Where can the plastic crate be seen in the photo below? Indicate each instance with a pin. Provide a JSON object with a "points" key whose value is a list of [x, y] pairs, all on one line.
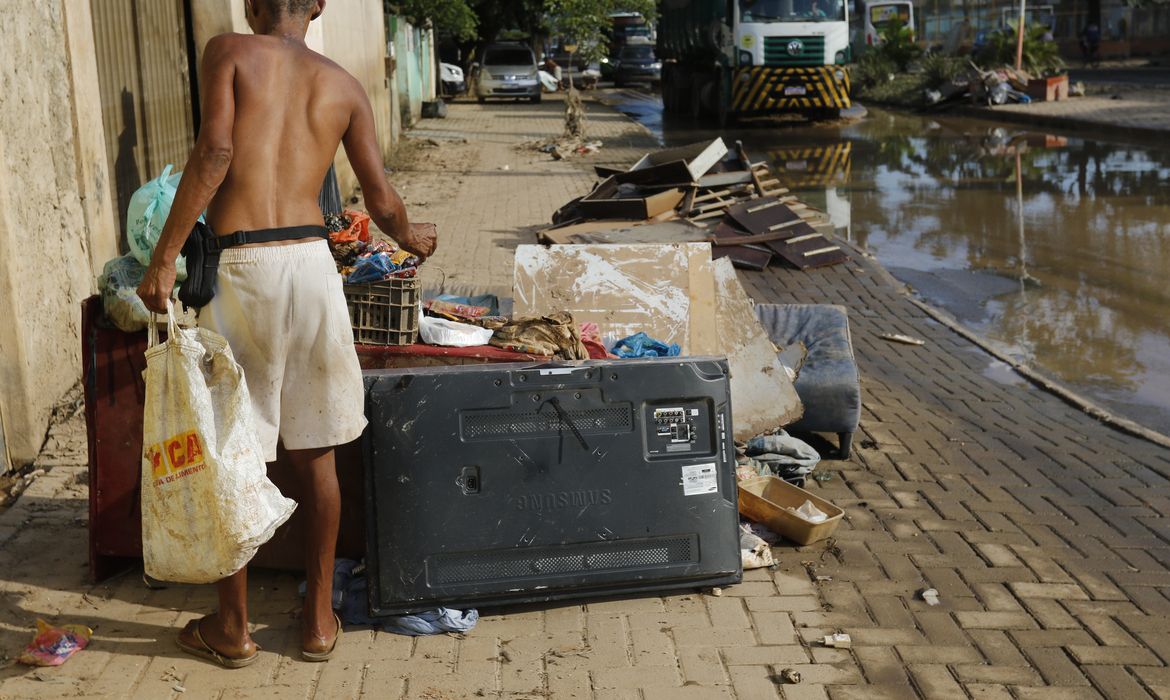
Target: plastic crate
{"points": [[767, 500], [384, 313]]}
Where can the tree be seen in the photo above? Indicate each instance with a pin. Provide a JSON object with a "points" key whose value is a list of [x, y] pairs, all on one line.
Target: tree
{"points": [[454, 17], [586, 22]]}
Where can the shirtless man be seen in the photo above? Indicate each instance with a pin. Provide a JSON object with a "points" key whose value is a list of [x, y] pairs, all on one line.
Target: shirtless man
{"points": [[274, 112]]}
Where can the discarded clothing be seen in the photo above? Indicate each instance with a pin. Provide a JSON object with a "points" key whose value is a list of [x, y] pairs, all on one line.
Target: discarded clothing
{"points": [[432, 622], [555, 335], [591, 338], [786, 456], [642, 345], [352, 605]]}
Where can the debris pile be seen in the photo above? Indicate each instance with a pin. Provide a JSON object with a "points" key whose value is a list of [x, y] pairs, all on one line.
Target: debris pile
{"points": [[700, 193], [998, 86]]}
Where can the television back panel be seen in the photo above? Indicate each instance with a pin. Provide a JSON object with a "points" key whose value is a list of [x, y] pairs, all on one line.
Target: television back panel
{"points": [[520, 482]]}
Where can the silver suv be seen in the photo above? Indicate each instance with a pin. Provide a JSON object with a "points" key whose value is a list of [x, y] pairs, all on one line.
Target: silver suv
{"points": [[508, 70]]}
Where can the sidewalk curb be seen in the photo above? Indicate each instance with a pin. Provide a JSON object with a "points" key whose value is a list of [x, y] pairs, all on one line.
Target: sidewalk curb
{"points": [[1032, 375], [1082, 127]]}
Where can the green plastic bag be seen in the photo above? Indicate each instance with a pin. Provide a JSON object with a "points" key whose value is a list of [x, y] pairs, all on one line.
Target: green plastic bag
{"points": [[149, 208]]}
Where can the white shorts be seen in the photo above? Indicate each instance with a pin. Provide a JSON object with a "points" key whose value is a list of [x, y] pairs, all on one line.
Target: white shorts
{"points": [[283, 313]]}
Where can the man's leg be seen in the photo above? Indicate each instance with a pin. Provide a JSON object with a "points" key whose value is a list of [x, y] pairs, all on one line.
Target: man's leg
{"points": [[321, 508], [225, 631]]}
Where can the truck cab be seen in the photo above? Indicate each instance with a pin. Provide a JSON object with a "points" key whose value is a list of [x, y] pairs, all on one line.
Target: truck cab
{"points": [[791, 33]]}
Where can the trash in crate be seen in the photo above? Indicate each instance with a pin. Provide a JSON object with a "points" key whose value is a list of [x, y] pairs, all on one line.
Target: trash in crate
{"points": [[807, 511], [361, 261]]}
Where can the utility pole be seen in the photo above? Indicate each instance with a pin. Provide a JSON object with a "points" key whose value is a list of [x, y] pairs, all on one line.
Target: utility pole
{"points": [[1020, 37]]}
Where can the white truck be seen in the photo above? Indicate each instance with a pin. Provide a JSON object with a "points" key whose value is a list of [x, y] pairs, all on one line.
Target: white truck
{"points": [[754, 57]]}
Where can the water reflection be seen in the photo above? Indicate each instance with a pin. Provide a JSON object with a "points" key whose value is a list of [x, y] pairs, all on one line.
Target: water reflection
{"points": [[1080, 226], [1058, 247]]}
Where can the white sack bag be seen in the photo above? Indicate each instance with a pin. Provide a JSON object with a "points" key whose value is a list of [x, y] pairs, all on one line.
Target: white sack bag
{"points": [[207, 503], [441, 331]]}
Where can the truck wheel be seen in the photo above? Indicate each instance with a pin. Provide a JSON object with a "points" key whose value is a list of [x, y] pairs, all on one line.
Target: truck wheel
{"points": [[668, 105], [699, 85]]}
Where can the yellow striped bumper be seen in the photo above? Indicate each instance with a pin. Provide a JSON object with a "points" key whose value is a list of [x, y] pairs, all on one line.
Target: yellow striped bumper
{"points": [[764, 89]]}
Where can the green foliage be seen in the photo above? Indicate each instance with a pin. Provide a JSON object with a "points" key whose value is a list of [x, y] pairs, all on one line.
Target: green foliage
{"points": [[508, 19], [454, 17], [1040, 57], [938, 69], [873, 68], [898, 45], [586, 22]]}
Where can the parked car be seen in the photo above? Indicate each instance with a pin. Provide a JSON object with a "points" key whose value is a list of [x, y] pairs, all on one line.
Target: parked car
{"points": [[637, 63], [452, 82], [507, 70]]}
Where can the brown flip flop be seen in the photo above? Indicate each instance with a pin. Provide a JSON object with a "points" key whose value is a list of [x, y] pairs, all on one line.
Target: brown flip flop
{"points": [[316, 656], [204, 651]]}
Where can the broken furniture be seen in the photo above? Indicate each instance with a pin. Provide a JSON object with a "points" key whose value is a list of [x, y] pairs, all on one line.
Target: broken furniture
{"points": [[827, 381], [535, 482], [699, 193]]}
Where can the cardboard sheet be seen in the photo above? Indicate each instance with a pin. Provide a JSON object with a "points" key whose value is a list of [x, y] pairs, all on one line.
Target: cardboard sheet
{"points": [[762, 396], [667, 291], [676, 294]]}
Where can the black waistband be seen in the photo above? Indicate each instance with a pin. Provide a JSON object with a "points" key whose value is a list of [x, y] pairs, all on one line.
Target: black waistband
{"points": [[267, 235]]}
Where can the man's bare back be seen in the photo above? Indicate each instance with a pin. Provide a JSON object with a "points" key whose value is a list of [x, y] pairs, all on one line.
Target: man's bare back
{"points": [[274, 112], [292, 108]]}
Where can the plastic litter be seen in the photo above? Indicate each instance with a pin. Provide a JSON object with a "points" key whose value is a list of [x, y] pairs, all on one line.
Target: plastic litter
{"points": [[118, 284], [441, 331], [642, 345], [755, 552], [930, 595], [52, 646], [811, 513], [838, 641], [899, 338], [207, 503], [149, 207], [790, 675]]}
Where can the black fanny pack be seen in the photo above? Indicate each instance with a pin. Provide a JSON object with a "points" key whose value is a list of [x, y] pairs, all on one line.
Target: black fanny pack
{"points": [[203, 248]]}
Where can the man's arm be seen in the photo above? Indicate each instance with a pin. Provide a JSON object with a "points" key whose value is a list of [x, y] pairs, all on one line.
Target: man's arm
{"points": [[205, 172], [385, 206]]}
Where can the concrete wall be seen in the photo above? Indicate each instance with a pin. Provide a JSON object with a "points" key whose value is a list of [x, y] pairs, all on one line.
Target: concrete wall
{"points": [[415, 74], [351, 32], [56, 221]]}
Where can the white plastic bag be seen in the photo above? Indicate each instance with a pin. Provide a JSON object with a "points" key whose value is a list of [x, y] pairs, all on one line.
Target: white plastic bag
{"points": [[149, 207], [440, 331], [207, 503]]}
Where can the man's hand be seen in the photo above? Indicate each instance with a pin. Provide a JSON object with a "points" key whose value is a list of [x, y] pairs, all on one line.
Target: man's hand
{"points": [[157, 285], [421, 240]]}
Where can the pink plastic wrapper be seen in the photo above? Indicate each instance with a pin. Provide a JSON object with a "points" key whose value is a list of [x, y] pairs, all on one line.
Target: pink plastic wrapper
{"points": [[54, 645]]}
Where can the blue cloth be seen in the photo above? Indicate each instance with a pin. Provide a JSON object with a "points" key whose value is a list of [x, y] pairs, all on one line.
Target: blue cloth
{"points": [[642, 345], [373, 268], [352, 606]]}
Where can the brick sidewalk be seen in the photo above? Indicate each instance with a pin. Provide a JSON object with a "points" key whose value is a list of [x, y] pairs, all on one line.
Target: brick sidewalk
{"points": [[1041, 529]]}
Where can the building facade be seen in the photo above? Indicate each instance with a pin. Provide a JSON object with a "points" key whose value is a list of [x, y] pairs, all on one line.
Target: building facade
{"points": [[99, 96]]}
